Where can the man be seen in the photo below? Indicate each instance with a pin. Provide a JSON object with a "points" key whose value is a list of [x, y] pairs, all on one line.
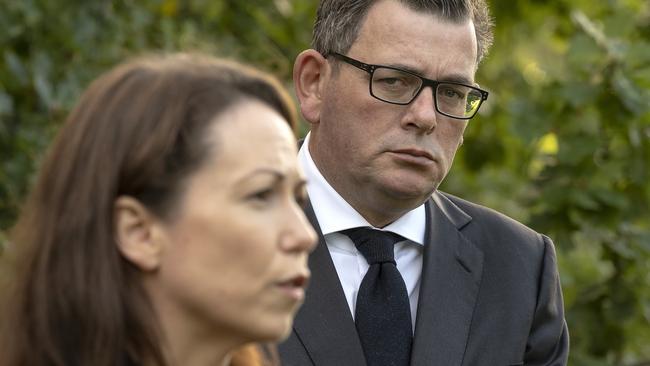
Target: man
{"points": [[388, 90]]}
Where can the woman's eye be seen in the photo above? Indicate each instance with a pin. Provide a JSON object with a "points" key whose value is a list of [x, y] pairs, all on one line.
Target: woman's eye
{"points": [[301, 198], [300, 193], [263, 195]]}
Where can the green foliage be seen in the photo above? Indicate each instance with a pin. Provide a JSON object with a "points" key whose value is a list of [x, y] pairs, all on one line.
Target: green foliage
{"points": [[563, 143], [50, 50]]}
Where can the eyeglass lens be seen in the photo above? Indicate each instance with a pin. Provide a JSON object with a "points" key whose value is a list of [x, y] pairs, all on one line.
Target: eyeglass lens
{"points": [[396, 86]]}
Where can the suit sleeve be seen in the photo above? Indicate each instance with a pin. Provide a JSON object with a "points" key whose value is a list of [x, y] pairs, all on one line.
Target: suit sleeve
{"points": [[548, 341]]}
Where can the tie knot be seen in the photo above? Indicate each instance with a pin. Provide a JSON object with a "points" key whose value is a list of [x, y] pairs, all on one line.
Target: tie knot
{"points": [[375, 245]]}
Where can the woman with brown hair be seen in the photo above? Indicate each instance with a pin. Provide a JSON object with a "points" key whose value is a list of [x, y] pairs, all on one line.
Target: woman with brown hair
{"points": [[165, 227]]}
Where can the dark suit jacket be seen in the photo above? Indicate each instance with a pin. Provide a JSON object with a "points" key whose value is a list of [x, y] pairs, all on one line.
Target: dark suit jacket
{"points": [[489, 295]]}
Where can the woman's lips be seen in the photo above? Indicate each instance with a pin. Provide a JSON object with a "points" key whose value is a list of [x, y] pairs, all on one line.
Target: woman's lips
{"points": [[294, 287]]}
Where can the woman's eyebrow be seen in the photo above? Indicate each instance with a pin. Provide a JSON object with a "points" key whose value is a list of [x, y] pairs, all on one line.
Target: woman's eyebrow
{"points": [[277, 175]]}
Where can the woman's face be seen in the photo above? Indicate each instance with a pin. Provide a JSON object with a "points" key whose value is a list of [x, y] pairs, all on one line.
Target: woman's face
{"points": [[235, 253]]}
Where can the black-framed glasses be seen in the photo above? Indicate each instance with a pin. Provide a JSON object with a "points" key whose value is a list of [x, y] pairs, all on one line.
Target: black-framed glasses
{"points": [[396, 86]]}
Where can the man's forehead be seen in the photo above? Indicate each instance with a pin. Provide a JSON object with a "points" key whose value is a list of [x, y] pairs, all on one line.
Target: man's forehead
{"points": [[426, 44]]}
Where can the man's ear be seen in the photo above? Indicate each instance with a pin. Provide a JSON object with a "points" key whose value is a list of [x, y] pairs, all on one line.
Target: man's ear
{"points": [[310, 71], [137, 233]]}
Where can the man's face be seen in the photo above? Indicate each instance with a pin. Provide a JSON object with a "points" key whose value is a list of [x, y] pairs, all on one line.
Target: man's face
{"points": [[386, 159]]}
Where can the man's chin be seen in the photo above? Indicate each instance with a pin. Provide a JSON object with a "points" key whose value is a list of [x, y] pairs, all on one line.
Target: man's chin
{"points": [[409, 195]]}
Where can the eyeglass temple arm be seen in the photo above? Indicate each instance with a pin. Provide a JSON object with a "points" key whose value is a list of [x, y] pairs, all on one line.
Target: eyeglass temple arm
{"points": [[358, 64]]}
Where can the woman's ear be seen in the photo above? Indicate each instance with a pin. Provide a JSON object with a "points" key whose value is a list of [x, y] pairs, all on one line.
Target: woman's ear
{"points": [[137, 233], [310, 72]]}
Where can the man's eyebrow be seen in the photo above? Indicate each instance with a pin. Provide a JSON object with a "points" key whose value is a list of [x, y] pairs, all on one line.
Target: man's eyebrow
{"points": [[458, 78], [408, 68], [453, 78]]}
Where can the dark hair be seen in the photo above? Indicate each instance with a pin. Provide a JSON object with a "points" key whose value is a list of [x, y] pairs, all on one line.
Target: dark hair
{"points": [[138, 131], [338, 21]]}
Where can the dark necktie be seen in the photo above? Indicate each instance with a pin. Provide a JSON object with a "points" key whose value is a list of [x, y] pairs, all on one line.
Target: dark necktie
{"points": [[383, 313]]}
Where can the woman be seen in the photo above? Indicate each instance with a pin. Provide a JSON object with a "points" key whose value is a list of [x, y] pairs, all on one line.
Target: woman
{"points": [[165, 227]]}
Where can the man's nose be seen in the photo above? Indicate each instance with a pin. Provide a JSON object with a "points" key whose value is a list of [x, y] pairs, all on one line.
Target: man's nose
{"points": [[422, 112]]}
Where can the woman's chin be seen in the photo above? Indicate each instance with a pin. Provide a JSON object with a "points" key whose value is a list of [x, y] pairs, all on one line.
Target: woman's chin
{"points": [[276, 332]]}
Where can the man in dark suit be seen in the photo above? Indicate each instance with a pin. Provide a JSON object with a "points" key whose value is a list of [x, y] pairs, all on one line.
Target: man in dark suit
{"points": [[388, 90]]}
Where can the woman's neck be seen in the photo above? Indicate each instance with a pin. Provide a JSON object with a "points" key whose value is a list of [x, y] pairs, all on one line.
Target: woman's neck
{"points": [[187, 342]]}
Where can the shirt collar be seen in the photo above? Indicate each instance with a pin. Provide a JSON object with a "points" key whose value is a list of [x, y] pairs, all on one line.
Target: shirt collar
{"points": [[334, 214]]}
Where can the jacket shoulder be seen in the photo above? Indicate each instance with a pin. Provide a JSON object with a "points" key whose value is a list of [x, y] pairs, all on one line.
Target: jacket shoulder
{"points": [[482, 215], [494, 231]]}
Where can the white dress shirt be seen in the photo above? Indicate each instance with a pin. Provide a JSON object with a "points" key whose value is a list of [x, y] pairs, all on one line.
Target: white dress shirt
{"points": [[334, 214]]}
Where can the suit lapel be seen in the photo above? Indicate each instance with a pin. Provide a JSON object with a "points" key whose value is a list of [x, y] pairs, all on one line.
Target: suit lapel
{"points": [[451, 275], [324, 324]]}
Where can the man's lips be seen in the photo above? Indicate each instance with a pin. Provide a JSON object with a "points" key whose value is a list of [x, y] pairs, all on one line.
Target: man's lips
{"points": [[415, 156]]}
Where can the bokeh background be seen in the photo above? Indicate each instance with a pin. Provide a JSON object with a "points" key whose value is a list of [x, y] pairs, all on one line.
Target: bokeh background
{"points": [[563, 143]]}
